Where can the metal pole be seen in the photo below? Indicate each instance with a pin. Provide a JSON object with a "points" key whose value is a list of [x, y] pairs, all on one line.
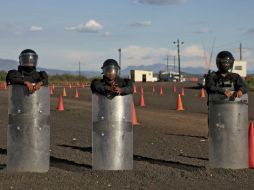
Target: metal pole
{"points": [[174, 63], [120, 60], [240, 51], [79, 69], [178, 53], [179, 63], [167, 63]]}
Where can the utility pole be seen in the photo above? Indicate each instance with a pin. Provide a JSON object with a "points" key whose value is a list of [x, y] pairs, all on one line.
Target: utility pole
{"points": [[240, 51], [174, 63], [120, 60], [178, 53], [167, 63], [79, 69]]}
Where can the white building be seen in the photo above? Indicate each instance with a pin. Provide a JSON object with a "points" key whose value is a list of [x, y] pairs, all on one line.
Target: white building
{"points": [[240, 67], [142, 76]]}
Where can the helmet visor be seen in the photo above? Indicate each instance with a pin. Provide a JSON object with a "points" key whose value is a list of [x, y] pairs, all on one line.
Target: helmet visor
{"points": [[111, 71], [28, 59]]}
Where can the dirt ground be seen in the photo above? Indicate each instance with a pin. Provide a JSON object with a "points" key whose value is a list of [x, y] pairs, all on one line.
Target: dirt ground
{"points": [[170, 147]]}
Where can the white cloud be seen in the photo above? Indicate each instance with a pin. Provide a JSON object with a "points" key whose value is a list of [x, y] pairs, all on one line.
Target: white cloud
{"points": [[195, 56], [193, 51], [161, 2], [202, 30], [141, 24], [191, 55], [35, 28], [131, 55], [90, 59], [90, 26], [11, 28], [138, 55], [18, 33], [17, 29], [134, 55], [107, 34]]}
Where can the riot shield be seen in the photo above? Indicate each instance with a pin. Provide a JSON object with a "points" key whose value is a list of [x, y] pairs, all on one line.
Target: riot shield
{"points": [[228, 131], [28, 134], [112, 134]]}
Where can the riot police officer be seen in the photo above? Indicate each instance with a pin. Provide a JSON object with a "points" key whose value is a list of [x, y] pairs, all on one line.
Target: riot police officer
{"points": [[26, 73], [224, 82], [111, 84], [28, 132], [227, 116], [112, 132]]}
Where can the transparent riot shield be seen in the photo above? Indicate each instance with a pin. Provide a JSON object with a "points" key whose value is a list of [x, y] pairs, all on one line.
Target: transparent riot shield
{"points": [[28, 134], [228, 132], [112, 133]]}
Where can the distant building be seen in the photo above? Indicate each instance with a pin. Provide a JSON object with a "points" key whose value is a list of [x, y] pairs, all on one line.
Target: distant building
{"points": [[142, 76], [168, 76], [240, 67]]}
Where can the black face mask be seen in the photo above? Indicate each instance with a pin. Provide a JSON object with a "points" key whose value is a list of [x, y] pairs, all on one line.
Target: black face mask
{"points": [[28, 69], [224, 66], [224, 69]]}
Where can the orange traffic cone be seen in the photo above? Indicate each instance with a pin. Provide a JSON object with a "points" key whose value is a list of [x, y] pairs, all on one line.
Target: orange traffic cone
{"points": [[174, 88], [182, 91], [134, 89], [60, 106], [134, 116], [141, 90], [51, 90], [64, 92], [202, 93], [251, 145], [5, 86], [161, 90], [76, 93], [179, 103], [142, 100]]}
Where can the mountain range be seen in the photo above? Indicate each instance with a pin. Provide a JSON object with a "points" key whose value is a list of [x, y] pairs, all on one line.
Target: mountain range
{"points": [[7, 64]]}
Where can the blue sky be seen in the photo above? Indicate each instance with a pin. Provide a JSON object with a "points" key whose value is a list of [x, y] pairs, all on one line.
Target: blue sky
{"points": [[90, 31]]}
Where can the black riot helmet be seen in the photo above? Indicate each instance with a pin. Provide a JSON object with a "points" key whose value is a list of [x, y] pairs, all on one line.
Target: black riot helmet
{"points": [[110, 68], [28, 58], [224, 61]]}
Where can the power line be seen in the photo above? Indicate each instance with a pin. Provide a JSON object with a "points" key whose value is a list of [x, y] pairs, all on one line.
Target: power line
{"points": [[234, 42]]}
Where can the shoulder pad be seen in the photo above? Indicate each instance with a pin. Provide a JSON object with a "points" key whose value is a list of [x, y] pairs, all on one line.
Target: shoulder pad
{"points": [[13, 71], [43, 73], [95, 80]]}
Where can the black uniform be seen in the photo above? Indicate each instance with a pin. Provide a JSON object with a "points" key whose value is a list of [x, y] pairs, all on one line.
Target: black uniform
{"points": [[216, 83], [21, 75], [102, 86]]}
